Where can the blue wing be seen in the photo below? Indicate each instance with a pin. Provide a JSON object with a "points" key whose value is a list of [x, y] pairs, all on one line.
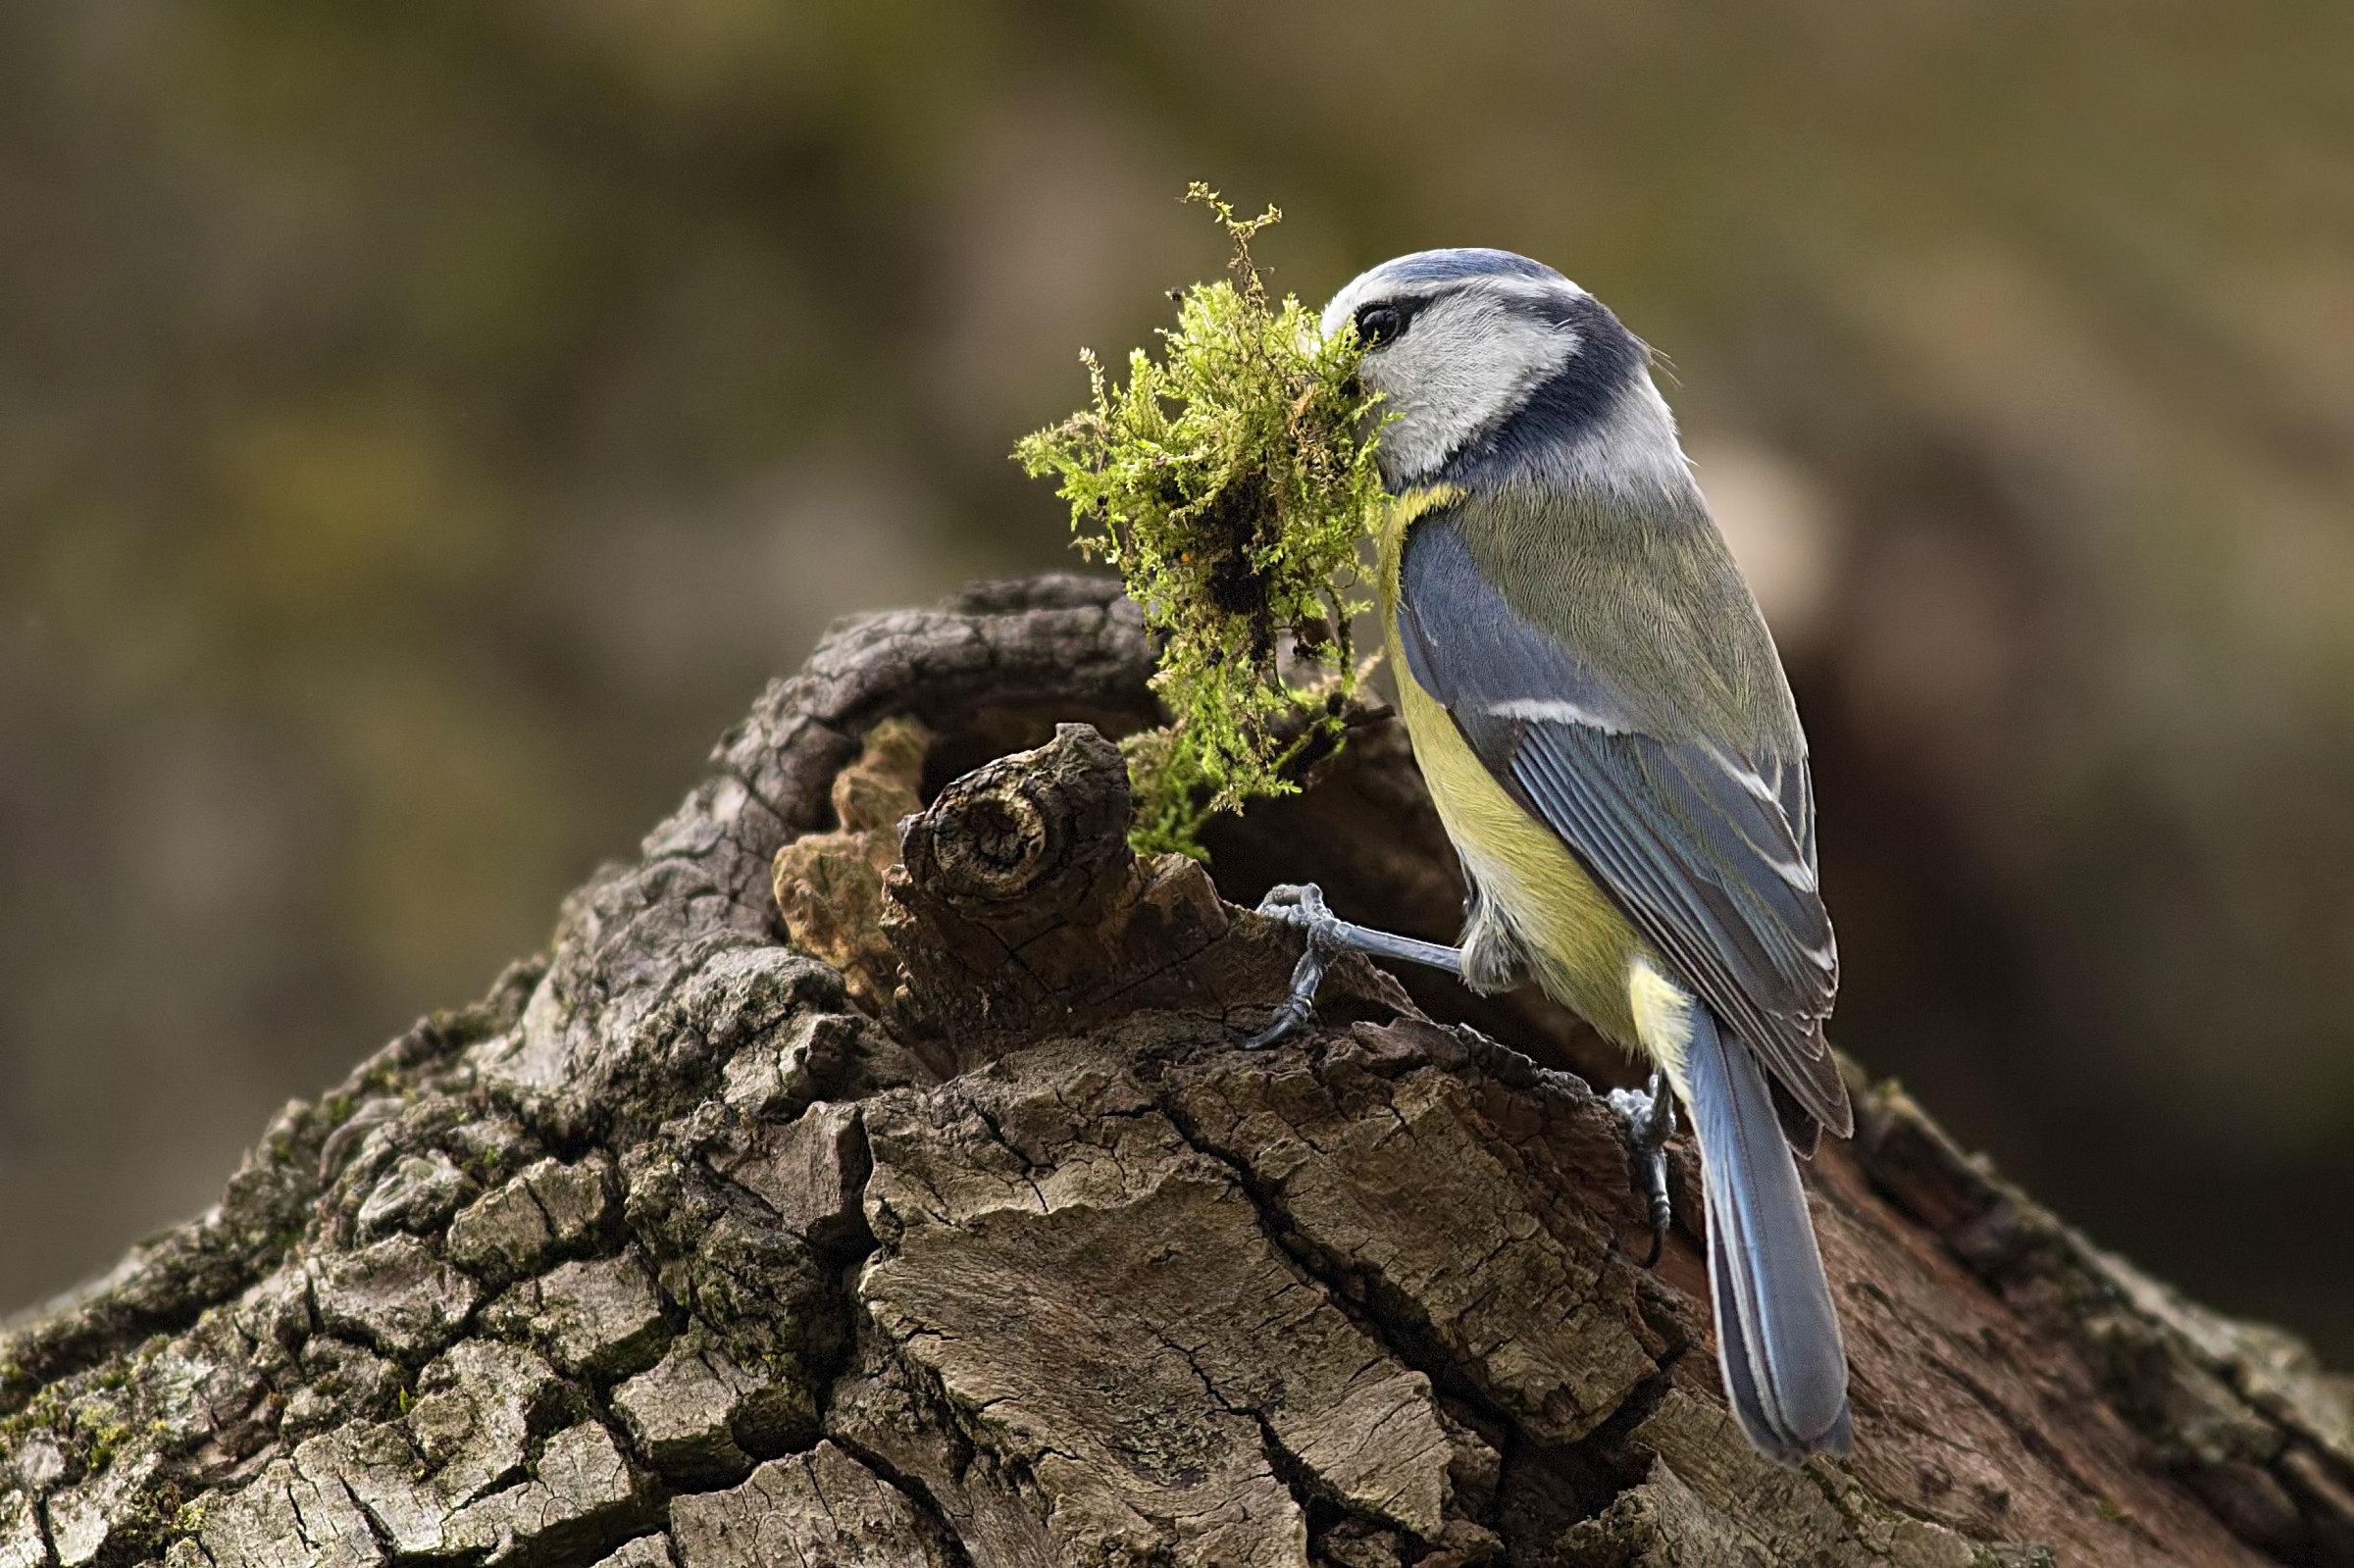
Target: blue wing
{"points": [[1709, 852]]}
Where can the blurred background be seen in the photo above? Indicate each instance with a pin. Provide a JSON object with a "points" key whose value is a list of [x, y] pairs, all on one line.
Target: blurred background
{"points": [[424, 427]]}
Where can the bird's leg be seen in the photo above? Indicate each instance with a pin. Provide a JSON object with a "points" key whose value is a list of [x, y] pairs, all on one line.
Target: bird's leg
{"points": [[1303, 904], [1649, 1117]]}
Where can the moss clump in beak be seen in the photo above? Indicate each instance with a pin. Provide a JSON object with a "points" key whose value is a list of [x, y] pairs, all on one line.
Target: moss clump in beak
{"points": [[1231, 483]]}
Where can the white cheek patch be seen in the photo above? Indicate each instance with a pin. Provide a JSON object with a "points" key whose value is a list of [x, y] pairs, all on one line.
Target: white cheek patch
{"points": [[1464, 362]]}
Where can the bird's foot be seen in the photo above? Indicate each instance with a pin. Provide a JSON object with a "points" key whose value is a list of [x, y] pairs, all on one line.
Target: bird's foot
{"points": [[1302, 904], [1299, 904], [1650, 1118]]}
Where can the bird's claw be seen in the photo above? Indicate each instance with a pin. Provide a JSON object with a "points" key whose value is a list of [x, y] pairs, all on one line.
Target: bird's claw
{"points": [[1649, 1117], [1296, 903]]}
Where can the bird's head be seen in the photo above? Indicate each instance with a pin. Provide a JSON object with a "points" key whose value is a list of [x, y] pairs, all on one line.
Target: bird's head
{"points": [[1493, 367]]}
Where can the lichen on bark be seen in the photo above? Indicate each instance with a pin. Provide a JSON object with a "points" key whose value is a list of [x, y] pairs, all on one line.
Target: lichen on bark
{"points": [[684, 1250]]}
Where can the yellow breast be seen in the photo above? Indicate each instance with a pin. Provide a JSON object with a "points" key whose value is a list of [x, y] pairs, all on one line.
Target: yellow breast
{"points": [[1585, 952]]}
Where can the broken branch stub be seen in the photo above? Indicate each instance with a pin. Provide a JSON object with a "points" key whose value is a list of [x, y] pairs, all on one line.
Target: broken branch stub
{"points": [[1019, 910], [1026, 842]]}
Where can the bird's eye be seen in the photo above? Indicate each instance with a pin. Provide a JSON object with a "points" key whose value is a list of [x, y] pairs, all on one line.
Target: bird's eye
{"points": [[1376, 324]]}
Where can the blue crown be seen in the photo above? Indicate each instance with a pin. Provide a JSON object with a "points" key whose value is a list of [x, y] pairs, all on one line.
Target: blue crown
{"points": [[1470, 261]]}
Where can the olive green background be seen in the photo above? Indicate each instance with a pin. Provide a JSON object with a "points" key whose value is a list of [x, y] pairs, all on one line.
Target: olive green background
{"points": [[422, 427]]}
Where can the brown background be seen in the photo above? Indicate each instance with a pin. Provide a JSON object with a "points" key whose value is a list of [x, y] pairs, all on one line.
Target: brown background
{"points": [[422, 427]]}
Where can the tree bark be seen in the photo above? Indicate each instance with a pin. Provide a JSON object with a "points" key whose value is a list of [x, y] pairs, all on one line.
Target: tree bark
{"points": [[834, 1196]]}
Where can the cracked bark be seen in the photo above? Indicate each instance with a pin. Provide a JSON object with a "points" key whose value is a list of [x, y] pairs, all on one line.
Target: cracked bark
{"points": [[831, 1199]]}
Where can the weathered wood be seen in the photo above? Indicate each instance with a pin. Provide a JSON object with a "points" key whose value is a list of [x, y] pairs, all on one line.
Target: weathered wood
{"points": [[965, 1236]]}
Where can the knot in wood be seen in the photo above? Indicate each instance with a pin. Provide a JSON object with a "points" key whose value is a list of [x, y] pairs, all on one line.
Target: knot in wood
{"points": [[1008, 841], [1038, 827]]}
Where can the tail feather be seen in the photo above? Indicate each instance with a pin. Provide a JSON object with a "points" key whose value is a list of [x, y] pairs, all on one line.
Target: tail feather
{"points": [[1777, 1333]]}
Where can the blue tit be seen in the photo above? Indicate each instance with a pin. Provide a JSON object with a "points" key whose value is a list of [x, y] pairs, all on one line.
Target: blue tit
{"points": [[1603, 724]]}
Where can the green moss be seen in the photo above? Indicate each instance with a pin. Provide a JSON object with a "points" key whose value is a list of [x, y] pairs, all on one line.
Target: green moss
{"points": [[1232, 485], [1173, 794]]}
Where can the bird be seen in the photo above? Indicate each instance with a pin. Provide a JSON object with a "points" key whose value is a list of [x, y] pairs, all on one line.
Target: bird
{"points": [[1606, 731]]}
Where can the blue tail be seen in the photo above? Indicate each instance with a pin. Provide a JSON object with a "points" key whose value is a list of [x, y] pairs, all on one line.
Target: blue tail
{"points": [[1777, 1335]]}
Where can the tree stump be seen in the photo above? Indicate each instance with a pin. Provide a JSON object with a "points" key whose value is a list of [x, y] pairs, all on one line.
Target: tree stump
{"points": [[963, 1236]]}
